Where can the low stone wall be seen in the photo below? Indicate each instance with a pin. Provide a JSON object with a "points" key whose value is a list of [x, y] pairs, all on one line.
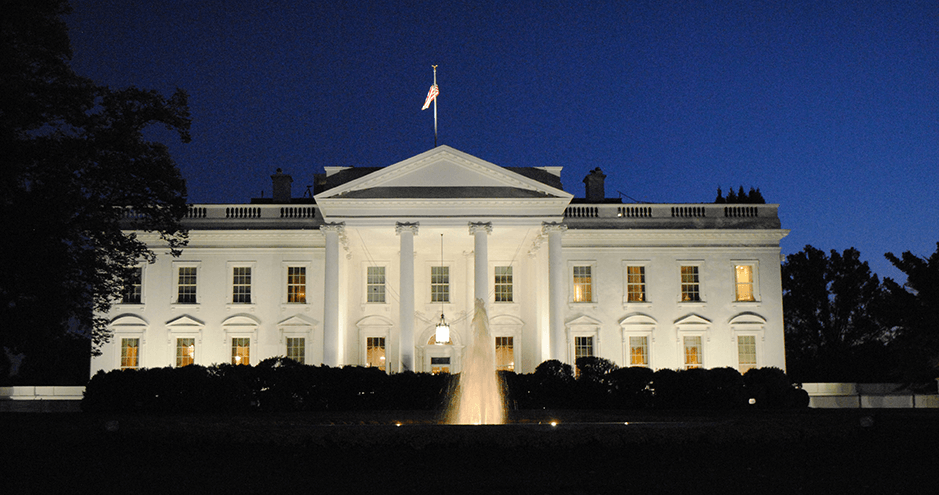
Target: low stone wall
{"points": [[867, 396], [41, 399]]}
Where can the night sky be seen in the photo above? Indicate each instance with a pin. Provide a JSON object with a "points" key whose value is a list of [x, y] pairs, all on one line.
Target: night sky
{"points": [[830, 108]]}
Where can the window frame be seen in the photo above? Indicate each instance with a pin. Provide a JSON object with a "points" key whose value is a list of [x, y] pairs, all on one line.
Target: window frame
{"points": [[287, 284], [754, 282], [644, 265], [369, 284], [243, 339], [302, 354], [572, 282], [510, 284], [231, 267], [140, 292], [365, 362], [138, 355], [756, 352], [285, 278], [449, 284], [177, 266], [699, 271], [683, 349], [176, 353]]}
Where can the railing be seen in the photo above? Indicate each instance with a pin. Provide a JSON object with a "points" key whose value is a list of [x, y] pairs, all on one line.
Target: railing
{"points": [[578, 213], [246, 212]]}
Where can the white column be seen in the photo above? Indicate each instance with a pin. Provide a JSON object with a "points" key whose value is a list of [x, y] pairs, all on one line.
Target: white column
{"points": [[332, 231], [556, 289], [480, 232], [406, 231]]}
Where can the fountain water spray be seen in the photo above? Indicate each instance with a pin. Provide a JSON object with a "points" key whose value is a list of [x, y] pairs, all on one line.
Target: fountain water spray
{"points": [[478, 398]]}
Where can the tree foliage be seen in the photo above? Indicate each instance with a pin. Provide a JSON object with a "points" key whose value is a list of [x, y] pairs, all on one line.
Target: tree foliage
{"points": [[833, 307], [77, 168], [915, 311]]}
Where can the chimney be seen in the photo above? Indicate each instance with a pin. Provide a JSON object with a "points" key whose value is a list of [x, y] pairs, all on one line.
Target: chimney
{"points": [[594, 185], [282, 183]]}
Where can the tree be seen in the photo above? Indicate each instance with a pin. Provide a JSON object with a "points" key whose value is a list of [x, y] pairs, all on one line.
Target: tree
{"points": [[915, 310], [77, 168], [833, 311]]}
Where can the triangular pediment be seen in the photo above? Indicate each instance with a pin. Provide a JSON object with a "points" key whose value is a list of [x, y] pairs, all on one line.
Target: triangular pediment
{"points": [[297, 321], [447, 169], [445, 182], [692, 320], [185, 321]]}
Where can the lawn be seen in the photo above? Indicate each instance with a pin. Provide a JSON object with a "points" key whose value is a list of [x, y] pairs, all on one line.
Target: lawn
{"points": [[810, 451]]}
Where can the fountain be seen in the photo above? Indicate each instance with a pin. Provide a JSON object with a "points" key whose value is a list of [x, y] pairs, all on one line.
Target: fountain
{"points": [[477, 399]]}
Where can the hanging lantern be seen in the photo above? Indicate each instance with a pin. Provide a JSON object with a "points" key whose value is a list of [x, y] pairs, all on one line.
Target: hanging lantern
{"points": [[442, 336]]}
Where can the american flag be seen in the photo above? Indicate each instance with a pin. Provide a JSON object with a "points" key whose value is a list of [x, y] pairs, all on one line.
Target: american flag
{"points": [[431, 96]]}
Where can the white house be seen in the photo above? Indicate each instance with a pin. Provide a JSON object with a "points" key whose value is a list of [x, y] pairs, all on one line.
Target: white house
{"points": [[361, 273]]}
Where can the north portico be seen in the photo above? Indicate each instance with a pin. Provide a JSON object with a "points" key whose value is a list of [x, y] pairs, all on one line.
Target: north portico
{"points": [[364, 269]]}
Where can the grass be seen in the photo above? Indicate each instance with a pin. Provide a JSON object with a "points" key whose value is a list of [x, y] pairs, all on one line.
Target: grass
{"points": [[811, 451]]}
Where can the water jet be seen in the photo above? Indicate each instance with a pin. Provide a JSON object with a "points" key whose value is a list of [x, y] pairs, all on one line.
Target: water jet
{"points": [[477, 398]]}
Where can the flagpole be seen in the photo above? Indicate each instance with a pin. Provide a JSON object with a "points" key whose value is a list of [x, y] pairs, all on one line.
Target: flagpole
{"points": [[435, 108]]}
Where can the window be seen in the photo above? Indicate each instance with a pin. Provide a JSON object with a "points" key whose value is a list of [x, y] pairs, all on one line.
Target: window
{"points": [[375, 284], [296, 349], [185, 352], [635, 284], [241, 285], [440, 284], [505, 353], [743, 278], [583, 347], [694, 357], [503, 283], [132, 286], [296, 284], [439, 365], [639, 351], [690, 285], [375, 353], [583, 284], [186, 287], [746, 353], [130, 357], [241, 350]]}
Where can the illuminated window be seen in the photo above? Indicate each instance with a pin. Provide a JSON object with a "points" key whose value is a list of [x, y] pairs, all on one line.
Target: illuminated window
{"points": [[694, 357], [635, 283], [241, 350], [132, 286], [690, 285], [440, 284], [505, 353], [296, 284], [186, 288], [503, 283], [743, 276], [375, 352], [583, 284], [746, 352], [439, 365], [375, 284], [296, 349], [130, 356], [241, 285], [185, 352], [639, 351]]}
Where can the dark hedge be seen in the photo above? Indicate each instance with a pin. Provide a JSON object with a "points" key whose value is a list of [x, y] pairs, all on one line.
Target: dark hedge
{"points": [[280, 384]]}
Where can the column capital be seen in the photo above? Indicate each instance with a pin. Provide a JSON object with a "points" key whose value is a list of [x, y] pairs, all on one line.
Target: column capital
{"points": [[337, 227], [550, 227], [411, 227], [475, 227]]}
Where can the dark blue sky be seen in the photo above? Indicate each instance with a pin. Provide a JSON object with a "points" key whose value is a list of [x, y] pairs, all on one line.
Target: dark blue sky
{"points": [[830, 108]]}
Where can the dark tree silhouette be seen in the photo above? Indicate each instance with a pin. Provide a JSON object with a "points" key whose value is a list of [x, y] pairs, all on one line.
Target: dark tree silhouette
{"points": [[915, 310]]}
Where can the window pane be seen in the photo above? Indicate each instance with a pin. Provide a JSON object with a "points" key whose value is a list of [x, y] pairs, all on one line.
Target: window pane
{"points": [[185, 352], [375, 353], [639, 351], [582, 284], [296, 284], [635, 283], [132, 287], [693, 355], [690, 287], [744, 282], [187, 285], [375, 284], [583, 347], [241, 350], [440, 284], [296, 349], [746, 352], [503, 283], [505, 353], [241, 285], [129, 354]]}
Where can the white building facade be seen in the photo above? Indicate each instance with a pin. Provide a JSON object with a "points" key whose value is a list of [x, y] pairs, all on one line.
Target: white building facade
{"points": [[360, 274]]}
